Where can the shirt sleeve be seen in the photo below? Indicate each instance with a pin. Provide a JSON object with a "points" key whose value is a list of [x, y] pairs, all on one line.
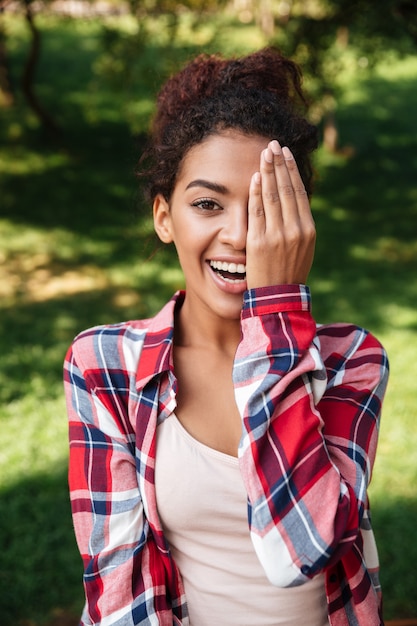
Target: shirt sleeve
{"points": [[310, 406], [106, 503]]}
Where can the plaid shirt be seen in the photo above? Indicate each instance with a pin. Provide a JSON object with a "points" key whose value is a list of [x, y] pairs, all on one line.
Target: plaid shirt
{"points": [[310, 399]]}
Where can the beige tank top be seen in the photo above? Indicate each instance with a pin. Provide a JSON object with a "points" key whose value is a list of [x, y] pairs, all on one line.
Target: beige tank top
{"points": [[201, 501]]}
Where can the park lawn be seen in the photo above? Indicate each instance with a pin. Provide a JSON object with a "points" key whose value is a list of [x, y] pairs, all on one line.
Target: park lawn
{"points": [[77, 249]]}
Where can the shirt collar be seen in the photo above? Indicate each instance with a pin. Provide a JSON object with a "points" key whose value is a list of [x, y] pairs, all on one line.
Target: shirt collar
{"points": [[156, 355]]}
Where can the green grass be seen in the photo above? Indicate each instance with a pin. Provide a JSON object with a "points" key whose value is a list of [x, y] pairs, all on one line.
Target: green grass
{"points": [[76, 249]]}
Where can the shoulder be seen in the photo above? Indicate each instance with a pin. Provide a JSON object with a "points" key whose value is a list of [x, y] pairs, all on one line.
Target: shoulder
{"points": [[109, 346], [115, 350]]}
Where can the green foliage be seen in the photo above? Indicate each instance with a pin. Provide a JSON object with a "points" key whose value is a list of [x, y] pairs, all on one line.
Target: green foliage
{"points": [[370, 28], [139, 54], [326, 35], [76, 249]]}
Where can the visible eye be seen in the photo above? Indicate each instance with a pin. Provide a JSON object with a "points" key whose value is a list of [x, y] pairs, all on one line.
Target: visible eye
{"points": [[206, 205]]}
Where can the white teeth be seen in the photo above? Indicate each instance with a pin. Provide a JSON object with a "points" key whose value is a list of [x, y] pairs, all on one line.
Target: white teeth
{"points": [[232, 268]]}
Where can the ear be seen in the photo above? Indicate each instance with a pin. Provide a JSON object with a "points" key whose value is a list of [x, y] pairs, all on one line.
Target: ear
{"points": [[162, 219]]}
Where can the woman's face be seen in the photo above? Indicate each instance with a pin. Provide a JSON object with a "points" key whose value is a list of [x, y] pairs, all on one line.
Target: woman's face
{"points": [[206, 219]]}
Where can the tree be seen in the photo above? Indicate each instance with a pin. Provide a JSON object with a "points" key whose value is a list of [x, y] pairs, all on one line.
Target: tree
{"points": [[7, 98], [317, 33], [129, 61], [28, 79]]}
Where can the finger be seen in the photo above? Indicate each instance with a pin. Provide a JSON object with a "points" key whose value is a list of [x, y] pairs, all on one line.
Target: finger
{"points": [[299, 191], [270, 192], [284, 184], [256, 213]]}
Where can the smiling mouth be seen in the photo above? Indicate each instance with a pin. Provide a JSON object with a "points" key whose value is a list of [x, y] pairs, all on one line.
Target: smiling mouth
{"points": [[229, 272]]}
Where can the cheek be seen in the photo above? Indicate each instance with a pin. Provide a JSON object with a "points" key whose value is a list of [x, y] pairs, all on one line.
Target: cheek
{"points": [[192, 243], [193, 234]]}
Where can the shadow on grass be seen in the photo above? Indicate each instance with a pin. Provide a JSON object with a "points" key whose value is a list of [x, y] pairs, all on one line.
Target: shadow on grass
{"points": [[394, 525], [85, 184], [40, 570]]}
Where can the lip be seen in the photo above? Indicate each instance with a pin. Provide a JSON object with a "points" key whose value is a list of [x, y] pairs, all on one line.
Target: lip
{"points": [[231, 288], [228, 259]]}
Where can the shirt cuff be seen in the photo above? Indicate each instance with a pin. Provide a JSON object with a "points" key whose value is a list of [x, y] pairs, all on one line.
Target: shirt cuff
{"points": [[276, 299]]}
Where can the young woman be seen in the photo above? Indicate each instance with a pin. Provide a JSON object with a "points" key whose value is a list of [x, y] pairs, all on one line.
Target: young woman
{"points": [[220, 452]]}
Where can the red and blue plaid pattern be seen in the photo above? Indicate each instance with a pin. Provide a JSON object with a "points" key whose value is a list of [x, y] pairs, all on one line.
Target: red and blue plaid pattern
{"points": [[310, 399]]}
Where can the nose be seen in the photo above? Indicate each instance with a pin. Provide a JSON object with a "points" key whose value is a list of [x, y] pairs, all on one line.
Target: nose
{"points": [[234, 228]]}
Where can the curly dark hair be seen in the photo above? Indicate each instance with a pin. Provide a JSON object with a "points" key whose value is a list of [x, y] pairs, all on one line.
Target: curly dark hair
{"points": [[259, 94]]}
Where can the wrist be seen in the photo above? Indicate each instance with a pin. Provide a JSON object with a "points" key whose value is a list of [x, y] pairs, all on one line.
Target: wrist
{"points": [[276, 299]]}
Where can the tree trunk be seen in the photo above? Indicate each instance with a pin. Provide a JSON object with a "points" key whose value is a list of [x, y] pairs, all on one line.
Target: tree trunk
{"points": [[266, 18], [330, 132], [28, 78], [7, 96]]}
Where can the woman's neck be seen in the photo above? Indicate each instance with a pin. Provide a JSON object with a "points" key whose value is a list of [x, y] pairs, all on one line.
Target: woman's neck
{"points": [[197, 327]]}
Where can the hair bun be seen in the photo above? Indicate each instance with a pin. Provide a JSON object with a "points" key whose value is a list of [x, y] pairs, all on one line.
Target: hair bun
{"points": [[265, 70]]}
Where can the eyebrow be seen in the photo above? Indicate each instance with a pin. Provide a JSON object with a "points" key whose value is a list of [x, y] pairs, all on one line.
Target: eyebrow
{"points": [[200, 182]]}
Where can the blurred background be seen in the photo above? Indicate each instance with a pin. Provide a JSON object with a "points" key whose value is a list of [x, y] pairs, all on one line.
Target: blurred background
{"points": [[77, 85]]}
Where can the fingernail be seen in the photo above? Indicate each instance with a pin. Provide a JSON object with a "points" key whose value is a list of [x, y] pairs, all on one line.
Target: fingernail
{"points": [[287, 153], [275, 147], [256, 178], [268, 156]]}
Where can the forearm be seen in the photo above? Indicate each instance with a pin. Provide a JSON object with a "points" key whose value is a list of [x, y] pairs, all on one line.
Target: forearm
{"points": [[305, 501]]}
